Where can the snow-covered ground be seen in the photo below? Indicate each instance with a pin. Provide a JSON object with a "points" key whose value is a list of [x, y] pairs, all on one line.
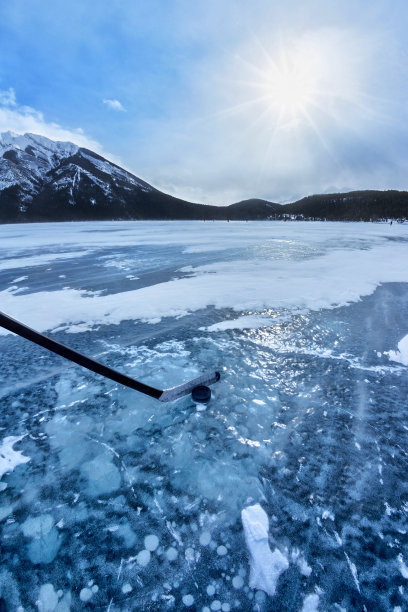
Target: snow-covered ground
{"points": [[287, 493]]}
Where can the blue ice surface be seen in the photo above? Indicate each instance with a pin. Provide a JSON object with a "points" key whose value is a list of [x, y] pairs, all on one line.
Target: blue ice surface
{"points": [[130, 504]]}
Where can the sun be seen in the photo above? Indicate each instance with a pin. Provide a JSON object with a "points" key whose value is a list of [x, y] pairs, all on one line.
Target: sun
{"points": [[292, 90], [290, 85]]}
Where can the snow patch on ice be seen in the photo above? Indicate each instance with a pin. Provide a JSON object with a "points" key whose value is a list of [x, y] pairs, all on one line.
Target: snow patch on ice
{"points": [[301, 562], [401, 355], [9, 458], [402, 566], [20, 279], [353, 570], [328, 280], [265, 566]]}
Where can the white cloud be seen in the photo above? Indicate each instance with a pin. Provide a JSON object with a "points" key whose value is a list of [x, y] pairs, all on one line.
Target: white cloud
{"points": [[7, 97], [114, 105], [22, 119]]}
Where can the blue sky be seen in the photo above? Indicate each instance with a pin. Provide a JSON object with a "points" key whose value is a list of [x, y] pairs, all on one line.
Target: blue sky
{"points": [[217, 100]]}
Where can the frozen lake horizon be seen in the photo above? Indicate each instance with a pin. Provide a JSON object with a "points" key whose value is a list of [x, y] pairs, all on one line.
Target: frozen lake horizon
{"points": [[110, 500]]}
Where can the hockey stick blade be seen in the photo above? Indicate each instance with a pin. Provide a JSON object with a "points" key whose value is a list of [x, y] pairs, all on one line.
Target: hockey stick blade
{"points": [[169, 395]]}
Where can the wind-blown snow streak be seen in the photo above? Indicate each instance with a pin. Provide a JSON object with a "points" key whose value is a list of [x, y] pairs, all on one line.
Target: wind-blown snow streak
{"points": [[38, 260]]}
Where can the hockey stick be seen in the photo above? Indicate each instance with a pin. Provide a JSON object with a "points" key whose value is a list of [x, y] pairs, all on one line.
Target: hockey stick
{"points": [[163, 395]]}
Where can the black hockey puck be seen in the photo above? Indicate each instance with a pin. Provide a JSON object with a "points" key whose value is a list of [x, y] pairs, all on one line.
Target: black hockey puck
{"points": [[201, 394]]}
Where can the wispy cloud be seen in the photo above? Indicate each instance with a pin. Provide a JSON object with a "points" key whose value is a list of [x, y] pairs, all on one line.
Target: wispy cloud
{"points": [[114, 105], [7, 97]]}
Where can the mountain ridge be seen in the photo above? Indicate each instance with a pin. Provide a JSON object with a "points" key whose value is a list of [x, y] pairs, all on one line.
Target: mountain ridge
{"points": [[46, 180]]}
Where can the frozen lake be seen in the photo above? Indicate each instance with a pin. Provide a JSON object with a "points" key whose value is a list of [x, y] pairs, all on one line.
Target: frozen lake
{"points": [[111, 500]]}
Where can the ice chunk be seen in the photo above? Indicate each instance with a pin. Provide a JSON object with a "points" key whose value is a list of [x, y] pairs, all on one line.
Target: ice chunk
{"points": [[126, 588], [5, 511], [45, 540], [126, 532], [45, 548], [36, 526], [9, 458], [103, 476], [265, 566], [51, 601], [68, 437], [310, 603], [64, 604], [48, 599]]}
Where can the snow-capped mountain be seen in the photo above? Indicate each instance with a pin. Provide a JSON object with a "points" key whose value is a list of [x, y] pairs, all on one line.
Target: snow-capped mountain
{"points": [[45, 180], [41, 178]]}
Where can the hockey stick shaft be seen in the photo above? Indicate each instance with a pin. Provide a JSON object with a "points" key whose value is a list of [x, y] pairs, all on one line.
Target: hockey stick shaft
{"points": [[165, 395]]}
